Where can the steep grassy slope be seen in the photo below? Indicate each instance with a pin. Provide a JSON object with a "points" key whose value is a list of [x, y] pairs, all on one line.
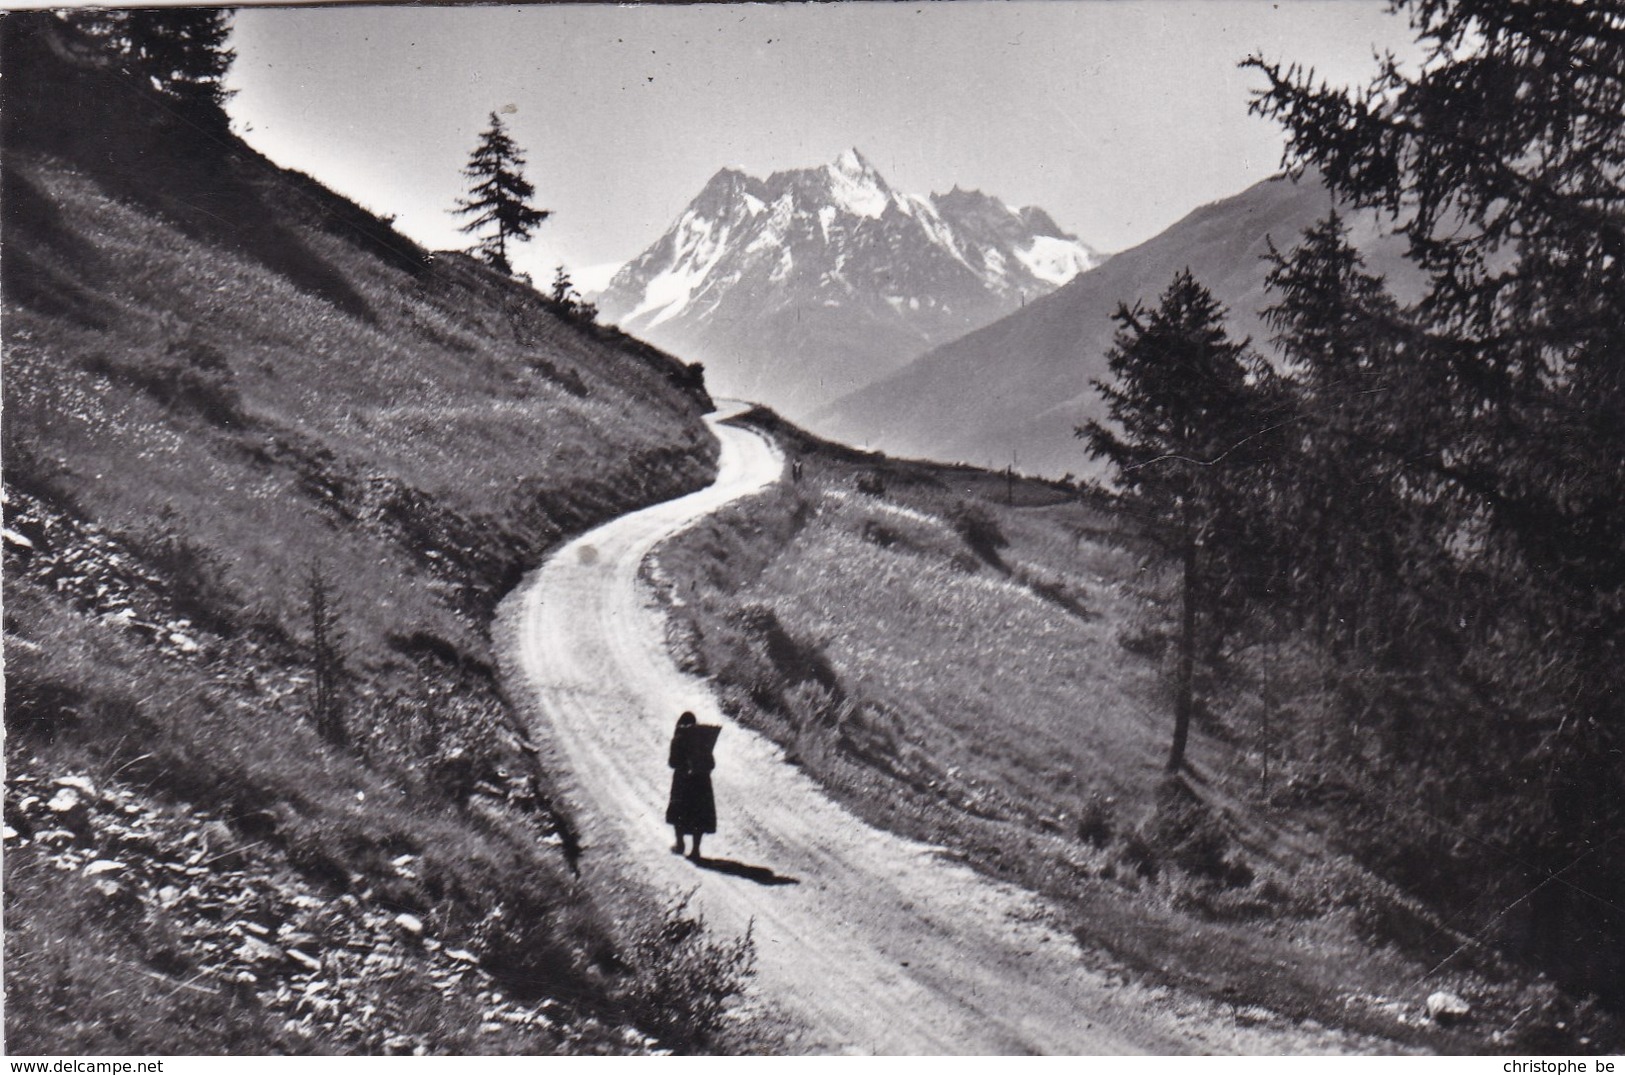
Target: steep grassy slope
{"points": [[1017, 388], [221, 382], [975, 663]]}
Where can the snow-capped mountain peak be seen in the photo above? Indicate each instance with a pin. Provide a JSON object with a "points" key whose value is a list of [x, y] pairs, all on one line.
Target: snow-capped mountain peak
{"points": [[852, 162], [796, 288], [856, 187]]}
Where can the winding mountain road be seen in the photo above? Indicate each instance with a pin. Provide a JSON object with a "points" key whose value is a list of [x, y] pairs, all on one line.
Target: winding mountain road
{"points": [[866, 942]]}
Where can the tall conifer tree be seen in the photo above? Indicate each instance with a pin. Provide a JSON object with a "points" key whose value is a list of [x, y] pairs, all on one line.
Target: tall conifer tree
{"points": [[499, 199], [1190, 415]]}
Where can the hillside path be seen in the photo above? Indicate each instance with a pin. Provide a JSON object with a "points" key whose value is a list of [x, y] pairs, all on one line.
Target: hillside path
{"points": [[880, 944]]}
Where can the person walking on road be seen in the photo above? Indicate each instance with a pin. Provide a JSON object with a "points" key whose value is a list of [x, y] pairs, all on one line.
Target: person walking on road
{"points": [[692, 810]]}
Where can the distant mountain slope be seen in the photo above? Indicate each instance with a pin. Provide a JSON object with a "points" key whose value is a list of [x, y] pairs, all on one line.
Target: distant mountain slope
{"points": [[1014, 390], [798, 288]]}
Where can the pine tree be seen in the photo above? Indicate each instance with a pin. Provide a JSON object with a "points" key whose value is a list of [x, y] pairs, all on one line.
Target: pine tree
{"points": [[568, 301], [1357, 395], [499, 200], [1362, 565], [563, 287], [1192, 405], [180, 52]]}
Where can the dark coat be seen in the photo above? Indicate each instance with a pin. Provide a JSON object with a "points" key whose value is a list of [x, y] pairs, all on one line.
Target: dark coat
{"points": [[693, 807]]}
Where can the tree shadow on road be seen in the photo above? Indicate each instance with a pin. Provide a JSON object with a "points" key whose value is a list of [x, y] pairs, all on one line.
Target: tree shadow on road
{"points": [[761, 875]]}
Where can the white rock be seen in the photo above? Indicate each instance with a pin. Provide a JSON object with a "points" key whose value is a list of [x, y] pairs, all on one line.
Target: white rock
{"points": [[1446, 1007], [410, 923], [103, 866], [64, 800]]}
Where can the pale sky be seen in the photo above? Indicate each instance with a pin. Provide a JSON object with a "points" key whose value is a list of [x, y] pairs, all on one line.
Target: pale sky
{"points": [[1118, 118]]}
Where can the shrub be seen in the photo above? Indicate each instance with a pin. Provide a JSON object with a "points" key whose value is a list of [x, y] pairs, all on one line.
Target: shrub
{"points": [[1096, 820], [521, 945], [682, 979], [1139, 855], [879, 534], [1148, 642], [189, 377], [1189, 835], [980, 531], [194, 575]]}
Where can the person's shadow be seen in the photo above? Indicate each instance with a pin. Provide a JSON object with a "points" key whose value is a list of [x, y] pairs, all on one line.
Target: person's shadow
{"points": [[761, 875]]}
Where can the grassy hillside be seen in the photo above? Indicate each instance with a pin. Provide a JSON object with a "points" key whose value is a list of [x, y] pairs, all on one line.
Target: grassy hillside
{"points": [[975, 662], [223, 382]]}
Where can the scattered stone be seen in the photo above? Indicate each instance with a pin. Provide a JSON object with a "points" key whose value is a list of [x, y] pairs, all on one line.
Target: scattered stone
{"points": [[400, 1045], [322, 964], [254, 950], [79, 784], [221, 844], [1447, 1008]]}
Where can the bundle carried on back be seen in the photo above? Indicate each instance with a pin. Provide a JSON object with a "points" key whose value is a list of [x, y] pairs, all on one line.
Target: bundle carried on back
{"points": [[695, 747]]}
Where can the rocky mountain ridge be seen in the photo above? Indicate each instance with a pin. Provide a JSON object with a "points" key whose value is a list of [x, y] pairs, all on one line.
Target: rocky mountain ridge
{"points": [[812, 282]]}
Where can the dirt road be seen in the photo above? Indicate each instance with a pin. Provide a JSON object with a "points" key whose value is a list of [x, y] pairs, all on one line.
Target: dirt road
{"points": [[869, 942]]}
